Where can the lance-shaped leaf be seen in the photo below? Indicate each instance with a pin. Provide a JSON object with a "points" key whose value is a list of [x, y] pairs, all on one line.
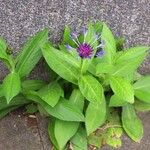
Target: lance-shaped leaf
{"points": [[98, 26], [64, 130], [141, 106], [7, 59], [79, 140], [3, 47], [116, 101], [119, 43], [51, 93], [64, 110], [131, 54], [32, 84], [95, 115], [17, 100], [131, 123], [127, 67], [103, 68], [5, 111], [51, 133], [122, 88], [62, 63], [142, 89], [77, 98], [1, 90], [66, 37], [91, 89], [90, 33], [11, 86], [109, 43], [31, 53]]}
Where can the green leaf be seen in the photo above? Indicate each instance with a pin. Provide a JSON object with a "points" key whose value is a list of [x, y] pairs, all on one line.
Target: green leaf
{"points": [[64, 110], [69, 67], [91, 88], [31, 53], [131, 54], [141, 106], [143, 95], [4, 112], [98, 26], [51, 127], [32, 84], [92, 67], [131, 123], [142, 83], [110, 43], [122, 88], [7, 59], [51, 93], [42, 111], [113, 117], [16, 101], [3, 47], [66, 37], [142, 89], [119, 43], [64, 131], [11, 86], [77, 98], [1, 91], [79, 140], [95, 116], [116, 101], [127, 67], [103, 68], [89, 38]]}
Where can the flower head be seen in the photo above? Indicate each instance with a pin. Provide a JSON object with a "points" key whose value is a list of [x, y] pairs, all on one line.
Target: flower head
{"points": [[87, 49], [84, 50]]}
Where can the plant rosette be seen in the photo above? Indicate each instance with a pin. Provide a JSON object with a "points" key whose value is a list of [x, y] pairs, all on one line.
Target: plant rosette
{"points": [[94, 89]]}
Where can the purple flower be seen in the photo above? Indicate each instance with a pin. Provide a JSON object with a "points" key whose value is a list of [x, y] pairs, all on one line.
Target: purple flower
{"points": [[87, 49]]}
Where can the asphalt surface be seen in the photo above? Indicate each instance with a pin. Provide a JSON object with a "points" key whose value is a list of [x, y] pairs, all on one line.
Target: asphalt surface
{"points": [[20, 19]]}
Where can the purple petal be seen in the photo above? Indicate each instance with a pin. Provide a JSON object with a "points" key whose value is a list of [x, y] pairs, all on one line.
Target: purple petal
{"points": [[99, 53], [73, 35], [68, 47], [84, 30]]}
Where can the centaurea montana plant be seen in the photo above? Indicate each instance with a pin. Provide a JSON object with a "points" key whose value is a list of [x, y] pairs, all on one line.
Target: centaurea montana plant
{"points": [[93, 92]]}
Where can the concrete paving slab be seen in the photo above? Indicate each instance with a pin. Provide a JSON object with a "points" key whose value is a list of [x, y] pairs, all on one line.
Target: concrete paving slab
{"points": [[19, 132]]}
